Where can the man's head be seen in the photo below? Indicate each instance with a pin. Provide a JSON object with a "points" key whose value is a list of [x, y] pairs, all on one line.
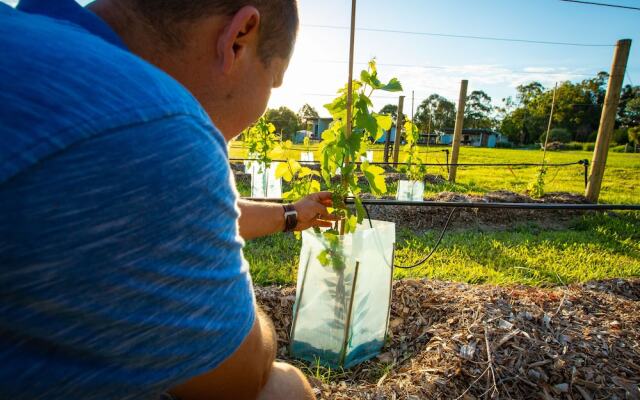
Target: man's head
{"points": [[228, 53]]}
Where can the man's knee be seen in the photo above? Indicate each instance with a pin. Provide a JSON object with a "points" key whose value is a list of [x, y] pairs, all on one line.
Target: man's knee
{"points": [[286, 382]]}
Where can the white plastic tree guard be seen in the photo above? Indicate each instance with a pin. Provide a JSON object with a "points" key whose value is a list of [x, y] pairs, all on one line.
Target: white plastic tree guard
{"points": [[341, 313], [410, 191], [250, 165], [306, 157], [264, 183], [368, 157]]}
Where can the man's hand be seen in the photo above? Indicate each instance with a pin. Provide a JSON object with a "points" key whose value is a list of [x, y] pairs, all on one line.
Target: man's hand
{"points": [[263, 219], [312, 211]]}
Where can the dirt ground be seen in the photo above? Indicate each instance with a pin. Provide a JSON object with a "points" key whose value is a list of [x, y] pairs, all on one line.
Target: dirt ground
{"points": [[452, 340], [419, 219]]}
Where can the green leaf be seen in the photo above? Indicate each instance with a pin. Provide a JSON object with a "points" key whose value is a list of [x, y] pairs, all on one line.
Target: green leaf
{"points": [[314, 187], [393, 86], [328, 136], [374, 169], [375, 177], [384, 121], [367, 122], [350, 224], [323, 258], [305, 171], [360, 211], [283, 172]]}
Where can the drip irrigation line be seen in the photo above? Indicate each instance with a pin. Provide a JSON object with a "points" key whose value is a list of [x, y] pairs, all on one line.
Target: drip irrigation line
{"points": [[581, 162], [480, 205], [448, 35], [517, 206], [433, 250]]}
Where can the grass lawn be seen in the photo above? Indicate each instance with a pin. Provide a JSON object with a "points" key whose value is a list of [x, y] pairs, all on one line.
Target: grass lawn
{"points": [[594, 247], [621, 182]]}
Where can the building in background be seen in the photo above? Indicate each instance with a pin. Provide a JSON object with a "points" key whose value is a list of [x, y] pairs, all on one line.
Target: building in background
{"points": [[474, 137], [318, 126]]}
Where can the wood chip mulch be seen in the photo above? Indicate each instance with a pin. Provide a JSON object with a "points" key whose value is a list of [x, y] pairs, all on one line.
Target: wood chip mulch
{"points": [[459, 341]]}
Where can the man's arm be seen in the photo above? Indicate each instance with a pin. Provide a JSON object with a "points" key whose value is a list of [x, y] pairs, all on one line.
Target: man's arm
{"points": [[263, 219]]}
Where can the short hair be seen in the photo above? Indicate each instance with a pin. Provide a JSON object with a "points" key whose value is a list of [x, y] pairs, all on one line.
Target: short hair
{"points": [[278, 20]]}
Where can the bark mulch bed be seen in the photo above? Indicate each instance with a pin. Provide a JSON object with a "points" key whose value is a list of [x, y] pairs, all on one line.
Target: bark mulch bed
{"points": [[452, 340], [420, 219]]}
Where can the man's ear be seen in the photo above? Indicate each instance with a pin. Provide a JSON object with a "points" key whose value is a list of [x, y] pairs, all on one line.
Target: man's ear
{"points": [[240, 33]]}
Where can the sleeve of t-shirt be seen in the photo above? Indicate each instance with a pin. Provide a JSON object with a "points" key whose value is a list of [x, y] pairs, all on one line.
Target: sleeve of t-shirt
{"points": [[122, 268]]}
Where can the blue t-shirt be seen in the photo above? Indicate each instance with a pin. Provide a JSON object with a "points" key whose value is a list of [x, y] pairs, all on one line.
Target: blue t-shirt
{"points": [[121, 267]]}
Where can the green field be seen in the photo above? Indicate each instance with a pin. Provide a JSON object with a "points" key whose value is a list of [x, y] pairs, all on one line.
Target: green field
{"points": [[597, 246], [621, 182]]}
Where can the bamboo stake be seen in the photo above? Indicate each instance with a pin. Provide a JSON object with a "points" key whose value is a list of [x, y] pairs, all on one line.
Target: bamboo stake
{"points": [[349, 126], [350, 81], [546, 140]]}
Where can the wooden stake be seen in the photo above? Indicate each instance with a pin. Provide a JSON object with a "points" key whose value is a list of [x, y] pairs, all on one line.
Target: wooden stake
{"points": [[457, 134], [398, 139], [608, 119]]}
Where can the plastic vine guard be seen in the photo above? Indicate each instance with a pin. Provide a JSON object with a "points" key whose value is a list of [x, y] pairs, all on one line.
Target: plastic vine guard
{"points": [[341, 316], [410, 191], [306, 157], [264, 183]]}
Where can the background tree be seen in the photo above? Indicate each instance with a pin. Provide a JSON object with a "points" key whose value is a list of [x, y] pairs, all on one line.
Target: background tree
{"points": [[435, 113], [478, 111], [285, 121], [578, 110], [629, 111], [634, 137], [518, 123], [390, 109], [526, 93], [306, 114]]}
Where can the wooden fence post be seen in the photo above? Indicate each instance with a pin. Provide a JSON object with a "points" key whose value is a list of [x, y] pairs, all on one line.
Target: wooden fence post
{"points": [[608, 119], [457, 133], [398, 139]]}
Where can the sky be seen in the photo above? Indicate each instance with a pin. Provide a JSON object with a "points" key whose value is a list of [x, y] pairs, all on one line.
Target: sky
{"points": [[434, 64]]}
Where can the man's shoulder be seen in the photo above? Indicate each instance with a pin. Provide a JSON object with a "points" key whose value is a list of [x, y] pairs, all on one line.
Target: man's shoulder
{"points": [[61, 85]]}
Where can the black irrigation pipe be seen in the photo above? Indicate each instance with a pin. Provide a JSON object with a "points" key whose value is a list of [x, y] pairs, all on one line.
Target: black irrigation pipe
{"points": [[451, 204], [517, 206], [584, 163], [581, 162]]}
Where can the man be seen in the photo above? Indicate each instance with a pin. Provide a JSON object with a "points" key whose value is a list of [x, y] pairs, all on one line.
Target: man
{"points": [[121, 262]]}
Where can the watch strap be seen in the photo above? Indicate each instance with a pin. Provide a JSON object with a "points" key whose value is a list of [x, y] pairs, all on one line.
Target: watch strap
{"points": [[290, 217]]}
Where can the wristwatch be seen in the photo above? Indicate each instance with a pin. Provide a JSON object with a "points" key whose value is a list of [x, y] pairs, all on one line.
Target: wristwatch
{"points": [[290, 217]]}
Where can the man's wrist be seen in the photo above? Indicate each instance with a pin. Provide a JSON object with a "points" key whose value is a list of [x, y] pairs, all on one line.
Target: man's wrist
{"points": [[290, 217]]}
